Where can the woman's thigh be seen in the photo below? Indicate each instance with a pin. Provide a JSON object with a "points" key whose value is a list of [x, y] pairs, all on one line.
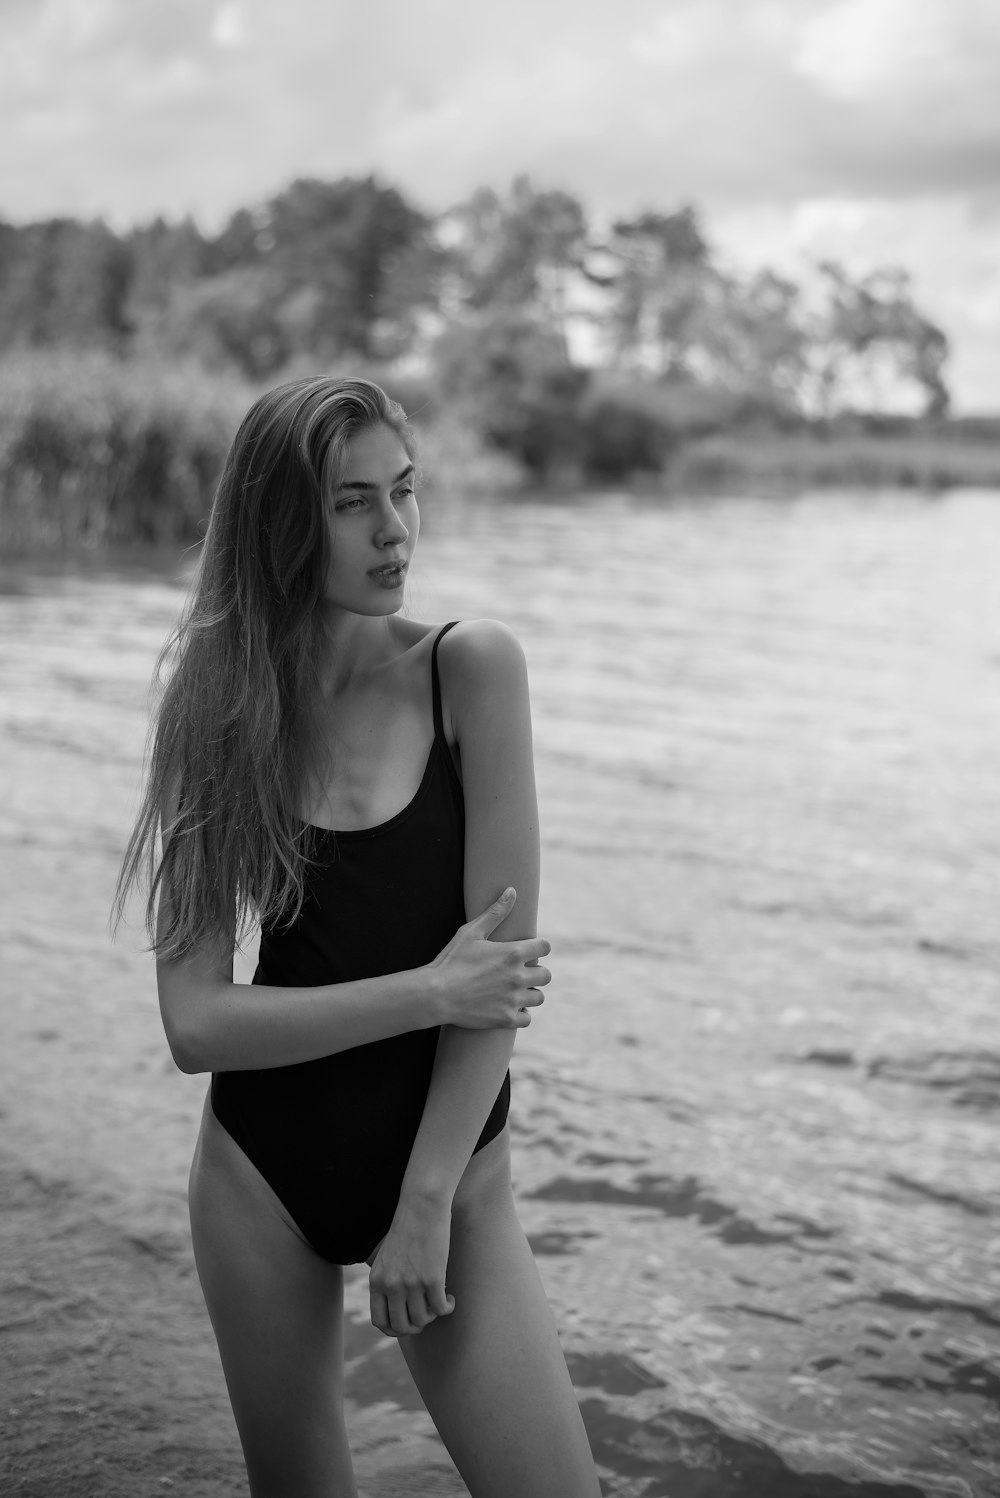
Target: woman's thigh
{"points": [[492, 1374], [277, 1312]]}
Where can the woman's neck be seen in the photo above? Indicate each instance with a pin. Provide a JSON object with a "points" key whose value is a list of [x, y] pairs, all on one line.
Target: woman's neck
{"points": [[357, 646]]}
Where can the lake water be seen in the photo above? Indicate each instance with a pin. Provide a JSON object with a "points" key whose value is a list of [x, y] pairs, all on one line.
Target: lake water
{"points": [[755, 1124]]}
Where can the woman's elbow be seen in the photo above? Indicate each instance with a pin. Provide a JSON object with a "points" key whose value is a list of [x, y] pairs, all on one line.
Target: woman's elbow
{"points": [[187, 1051], [187, 1059], [187, 1036]]}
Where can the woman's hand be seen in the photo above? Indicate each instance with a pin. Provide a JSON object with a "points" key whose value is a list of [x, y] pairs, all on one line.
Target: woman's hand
{"points": [[489, 985], [408, 1269]]}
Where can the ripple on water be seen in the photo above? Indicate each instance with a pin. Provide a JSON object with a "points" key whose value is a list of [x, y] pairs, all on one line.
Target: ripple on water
{"points": [[683, 1197], [677, 1454], [978, 1208], [932, 1305], [828, 1056], [557, 1242], [967, 1078]]}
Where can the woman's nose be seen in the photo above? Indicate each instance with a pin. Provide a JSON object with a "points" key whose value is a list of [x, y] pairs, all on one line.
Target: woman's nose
{"points": [[391, 530]]}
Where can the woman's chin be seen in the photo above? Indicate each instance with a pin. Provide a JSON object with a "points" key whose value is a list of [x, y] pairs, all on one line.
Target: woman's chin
{"points": [[380, 606]]}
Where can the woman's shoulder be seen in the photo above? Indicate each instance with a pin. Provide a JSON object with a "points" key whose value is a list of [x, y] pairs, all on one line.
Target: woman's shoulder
{"points": [[483, 677], [474, 648]]}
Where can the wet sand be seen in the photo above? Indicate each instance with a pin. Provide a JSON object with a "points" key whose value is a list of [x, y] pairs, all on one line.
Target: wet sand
{"points": [[110, 1384]]}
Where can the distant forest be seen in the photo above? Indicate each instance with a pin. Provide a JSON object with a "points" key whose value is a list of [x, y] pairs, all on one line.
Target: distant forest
{"points": [[509, 304], [533, 349]]}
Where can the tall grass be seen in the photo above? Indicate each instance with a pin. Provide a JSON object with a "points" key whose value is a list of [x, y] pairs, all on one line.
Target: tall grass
{"points": [[95, 450], [791, 461]]}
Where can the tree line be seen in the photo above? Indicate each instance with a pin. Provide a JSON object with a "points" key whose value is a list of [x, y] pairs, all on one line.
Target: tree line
{"points": [[561, 343]]}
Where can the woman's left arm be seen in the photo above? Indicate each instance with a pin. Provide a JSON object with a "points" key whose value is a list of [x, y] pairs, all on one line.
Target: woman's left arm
{"points": [[487, 690]]}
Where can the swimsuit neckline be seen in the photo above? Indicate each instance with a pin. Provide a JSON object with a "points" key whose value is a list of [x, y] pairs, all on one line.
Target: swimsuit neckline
{"points": [[344, 835]]}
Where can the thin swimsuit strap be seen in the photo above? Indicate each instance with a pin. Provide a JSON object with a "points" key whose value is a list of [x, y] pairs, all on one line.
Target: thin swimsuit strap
{"points": [[435, 681]]}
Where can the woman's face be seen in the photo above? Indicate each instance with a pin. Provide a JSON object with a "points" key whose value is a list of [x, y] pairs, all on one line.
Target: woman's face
{"points": [[374, 525]]}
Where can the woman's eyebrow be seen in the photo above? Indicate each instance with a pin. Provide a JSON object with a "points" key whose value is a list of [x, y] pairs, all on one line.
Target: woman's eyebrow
{"points": [[366, 484]]}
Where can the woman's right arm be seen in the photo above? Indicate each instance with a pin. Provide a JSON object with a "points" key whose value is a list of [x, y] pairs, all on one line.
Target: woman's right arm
{"points": [[214, 1024]]}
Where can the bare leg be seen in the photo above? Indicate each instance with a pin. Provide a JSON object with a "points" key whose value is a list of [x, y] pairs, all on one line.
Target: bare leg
{"points": [[492, 1374], [277, 1312]]}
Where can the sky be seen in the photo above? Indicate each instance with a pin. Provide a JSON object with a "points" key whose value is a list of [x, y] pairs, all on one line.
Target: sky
{"points": [[868, 130]]}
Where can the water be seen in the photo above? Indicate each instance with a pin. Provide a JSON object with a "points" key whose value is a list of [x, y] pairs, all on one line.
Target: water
{"points": [[755, 1123]]}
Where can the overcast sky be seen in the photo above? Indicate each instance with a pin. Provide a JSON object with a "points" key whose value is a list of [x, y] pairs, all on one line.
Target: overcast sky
{"points": [[868, 129]]}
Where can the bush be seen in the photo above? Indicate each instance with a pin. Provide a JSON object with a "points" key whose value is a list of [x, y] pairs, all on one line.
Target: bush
{"points": [[509, 378], [621, 435], [452, 456], [455, 461], [636, 426], [95, 450], [735, 462]]}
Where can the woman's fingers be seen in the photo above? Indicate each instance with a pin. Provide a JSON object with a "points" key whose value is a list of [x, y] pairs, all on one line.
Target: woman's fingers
{"points": [[380, 1313], [399, 1315], [439, 1302], [523, 1016], [418, 1308], [493, 915], [480, 983], [389, 1313], [404, 1312]]}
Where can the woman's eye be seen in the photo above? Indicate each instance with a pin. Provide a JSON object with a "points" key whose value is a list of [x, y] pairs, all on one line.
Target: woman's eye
{"points": [[346, 505], [402, 495]]}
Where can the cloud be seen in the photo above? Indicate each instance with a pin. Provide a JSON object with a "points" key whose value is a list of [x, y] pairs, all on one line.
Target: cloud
{"points": [[913, 88], [747, 108], [717, 100], [952, 251], [228, 28], [860, 49]]}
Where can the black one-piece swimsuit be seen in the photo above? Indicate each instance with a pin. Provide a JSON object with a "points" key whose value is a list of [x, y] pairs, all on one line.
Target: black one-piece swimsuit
{"points": [[332, 1137]]}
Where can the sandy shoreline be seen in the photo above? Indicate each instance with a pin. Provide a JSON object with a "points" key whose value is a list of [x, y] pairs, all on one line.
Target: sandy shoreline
{"points": [[110, 1381]]}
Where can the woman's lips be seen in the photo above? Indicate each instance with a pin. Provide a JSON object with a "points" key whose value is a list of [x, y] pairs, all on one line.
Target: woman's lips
{"points": [[389, 575]]}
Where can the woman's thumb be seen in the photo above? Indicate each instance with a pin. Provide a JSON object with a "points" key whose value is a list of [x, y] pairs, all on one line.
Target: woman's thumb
{"points": [[499, 910]]}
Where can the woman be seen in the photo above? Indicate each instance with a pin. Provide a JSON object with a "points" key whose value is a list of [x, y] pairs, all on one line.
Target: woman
{"points": [[356, 782]]}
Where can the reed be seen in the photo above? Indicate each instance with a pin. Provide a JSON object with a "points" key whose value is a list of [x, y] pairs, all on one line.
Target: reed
{"points": [[98, 451], [95, 450], [739, 462]]}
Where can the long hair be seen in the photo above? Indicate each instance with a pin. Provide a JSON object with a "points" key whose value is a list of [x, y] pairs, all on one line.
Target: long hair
{"points": [[231, 749]]}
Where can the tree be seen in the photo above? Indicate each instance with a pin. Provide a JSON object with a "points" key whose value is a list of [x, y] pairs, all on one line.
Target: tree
{"points": [[164, 256], [230, 319], [521, 252], [509, 376], [64, 282], [660, 273], [357, 254], [869, 341], [762, 343]]}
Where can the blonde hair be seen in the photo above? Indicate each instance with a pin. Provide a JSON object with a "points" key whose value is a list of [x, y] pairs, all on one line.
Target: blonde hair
{"points": [[230, 744]]}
